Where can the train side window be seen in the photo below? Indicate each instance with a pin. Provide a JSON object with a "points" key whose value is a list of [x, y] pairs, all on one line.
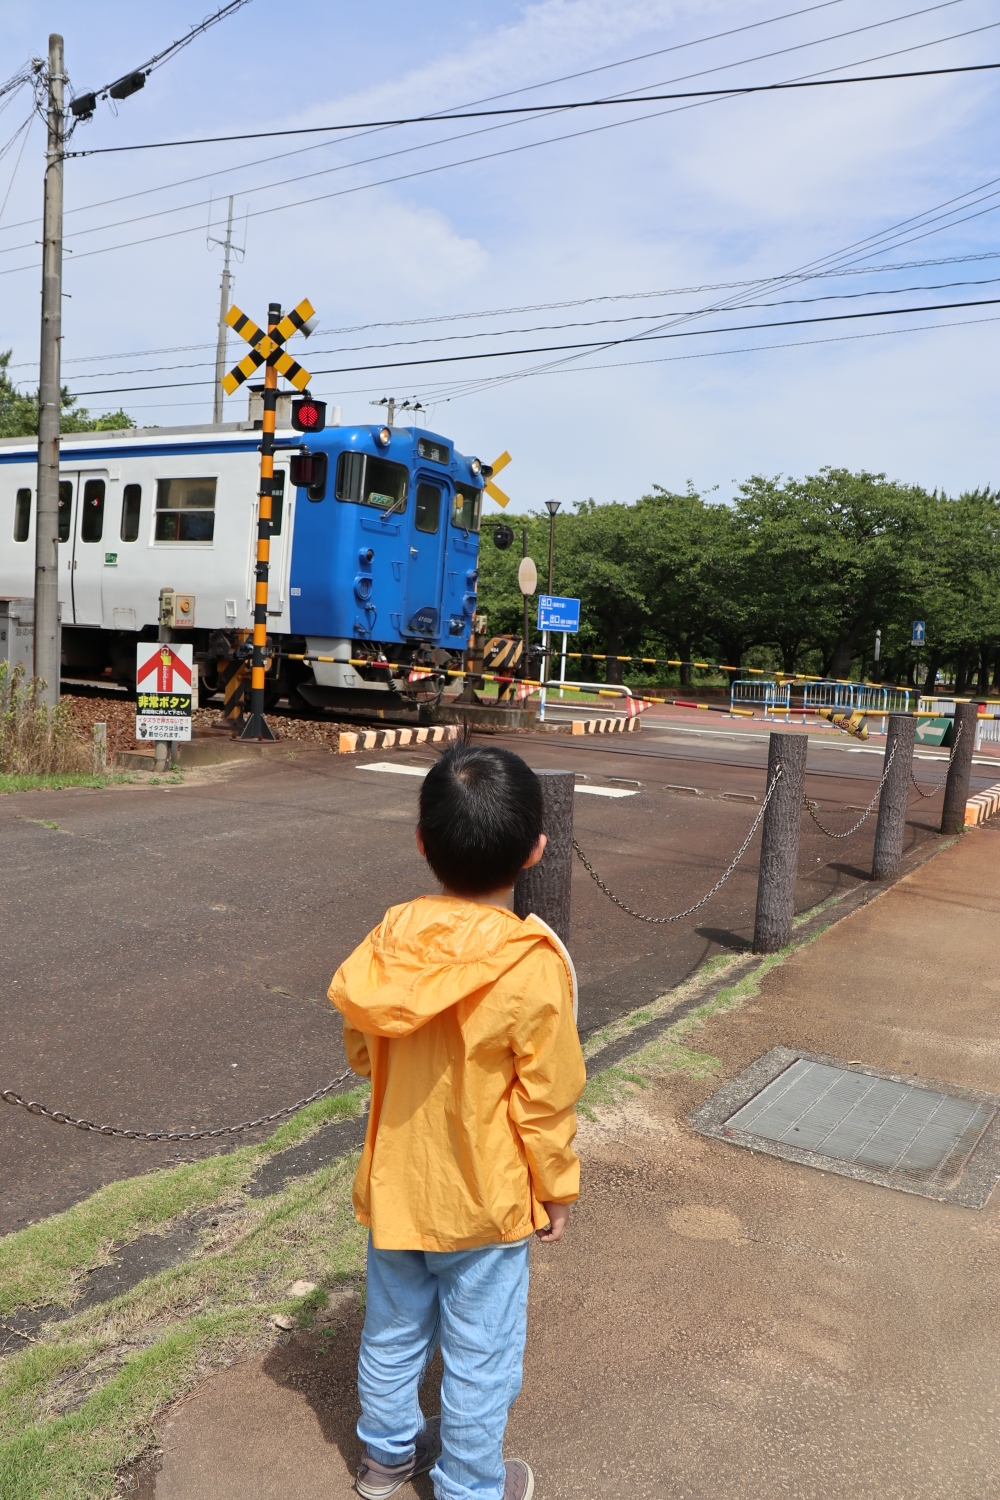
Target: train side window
{"points": [[92, 517], [465, 508], [428, 507], [65, 508], [22, 515], [131, 506], [185, 510], [350, 476], [277, 501]]}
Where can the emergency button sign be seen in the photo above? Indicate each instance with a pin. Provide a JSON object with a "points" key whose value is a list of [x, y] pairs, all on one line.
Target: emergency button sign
{"points": [[163, 691]]}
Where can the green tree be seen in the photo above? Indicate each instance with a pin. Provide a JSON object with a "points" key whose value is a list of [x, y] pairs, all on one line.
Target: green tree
{"points": [[838, 554], [19, 413]]}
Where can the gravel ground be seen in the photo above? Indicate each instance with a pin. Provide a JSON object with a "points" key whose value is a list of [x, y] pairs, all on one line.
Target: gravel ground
{"points": [[119, 714]]}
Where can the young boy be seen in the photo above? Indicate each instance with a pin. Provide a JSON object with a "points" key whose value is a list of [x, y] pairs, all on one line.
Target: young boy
{"points": [[462, 1015]]}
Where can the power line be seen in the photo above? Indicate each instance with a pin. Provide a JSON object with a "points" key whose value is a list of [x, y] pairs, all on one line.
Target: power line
{"points": [[489, 98], [865, 246], [737, 91], [624, 97], [596, 322], [157, 61], [721, 286], [473, 160], [596, 344], [445, 393]]}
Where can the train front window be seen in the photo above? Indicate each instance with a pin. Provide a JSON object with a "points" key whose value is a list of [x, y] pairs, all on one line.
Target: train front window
{"points": [[185, 510], [428, 507], [22, 515], [92, 517], [465, 507], [365, 480], [65, 508]]}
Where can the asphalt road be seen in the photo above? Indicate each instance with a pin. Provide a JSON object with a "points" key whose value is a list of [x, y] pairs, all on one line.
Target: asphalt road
{"points": [[167, 949]]}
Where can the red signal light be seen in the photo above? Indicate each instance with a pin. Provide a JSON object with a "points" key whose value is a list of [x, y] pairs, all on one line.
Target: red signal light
{"points": [[308, 415]]}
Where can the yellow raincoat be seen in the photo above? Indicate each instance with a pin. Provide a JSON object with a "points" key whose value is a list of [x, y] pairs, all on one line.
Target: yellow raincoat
{"points": [[463, 1017]]}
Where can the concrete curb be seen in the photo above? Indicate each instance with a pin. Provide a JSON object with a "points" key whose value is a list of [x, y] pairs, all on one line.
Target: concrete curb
{"points": [[352, 742], [982, 806], [617, 725]]}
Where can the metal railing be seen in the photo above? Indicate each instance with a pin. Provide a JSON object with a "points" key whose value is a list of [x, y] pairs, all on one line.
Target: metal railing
{"points": [[870, 697], [774, 698]]}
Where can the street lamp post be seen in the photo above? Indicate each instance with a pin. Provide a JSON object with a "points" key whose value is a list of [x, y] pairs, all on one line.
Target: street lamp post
{"points": [[552, 506]]}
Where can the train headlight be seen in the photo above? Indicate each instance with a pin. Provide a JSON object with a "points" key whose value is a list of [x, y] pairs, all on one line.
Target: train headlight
{"points": [[382, 436], [475, 465]]}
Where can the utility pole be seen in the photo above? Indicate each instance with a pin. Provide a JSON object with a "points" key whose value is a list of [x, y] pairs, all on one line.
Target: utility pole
{"points": [[220, 348], [47, 664]]}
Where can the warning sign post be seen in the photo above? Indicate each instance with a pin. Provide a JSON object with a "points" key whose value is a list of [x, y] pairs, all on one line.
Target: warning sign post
{"points": [[163, 691]]}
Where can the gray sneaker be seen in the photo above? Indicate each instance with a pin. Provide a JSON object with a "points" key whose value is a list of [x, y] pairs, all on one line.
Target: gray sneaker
{"points": [[520, 1482], [375, 1480]]}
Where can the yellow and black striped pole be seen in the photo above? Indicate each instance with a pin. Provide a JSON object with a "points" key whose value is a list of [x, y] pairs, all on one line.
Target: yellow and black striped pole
{"points": [[256, 727]]}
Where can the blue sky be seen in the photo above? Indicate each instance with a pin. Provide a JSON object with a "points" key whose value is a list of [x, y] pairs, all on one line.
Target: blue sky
{"points": [[626, 227]]}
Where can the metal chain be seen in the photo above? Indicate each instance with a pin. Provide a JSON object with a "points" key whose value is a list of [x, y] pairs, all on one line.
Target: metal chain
{"points": [[867, 812], [639, 916], [944, 778], [34, 1108]]}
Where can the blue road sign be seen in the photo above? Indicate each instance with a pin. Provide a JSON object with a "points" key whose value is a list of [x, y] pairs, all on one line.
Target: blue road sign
{"points": [[918, 633], [558, 614]]}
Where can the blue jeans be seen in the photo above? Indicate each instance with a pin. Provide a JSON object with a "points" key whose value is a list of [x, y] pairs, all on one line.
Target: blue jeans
{"points": [[475, 1304]]}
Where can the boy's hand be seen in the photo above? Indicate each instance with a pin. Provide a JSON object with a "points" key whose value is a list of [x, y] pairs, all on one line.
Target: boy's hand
{"points": [[558, 1218]]}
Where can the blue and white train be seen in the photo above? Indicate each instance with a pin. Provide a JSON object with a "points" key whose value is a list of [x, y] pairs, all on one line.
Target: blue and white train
{"points": [[377, 560]]}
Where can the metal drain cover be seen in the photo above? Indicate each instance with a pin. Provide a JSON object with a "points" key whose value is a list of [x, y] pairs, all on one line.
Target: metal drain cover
{"points": [[935, 1139]]}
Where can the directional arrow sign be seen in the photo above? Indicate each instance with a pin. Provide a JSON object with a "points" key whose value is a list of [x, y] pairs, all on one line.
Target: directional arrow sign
{"points": [[266, 347]]}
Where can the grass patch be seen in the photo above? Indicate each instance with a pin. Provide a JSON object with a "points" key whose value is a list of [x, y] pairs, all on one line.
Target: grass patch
{"points": [[667, 1053], [41, 1264], [55, 782], [621, 1027], [76, 1404]]}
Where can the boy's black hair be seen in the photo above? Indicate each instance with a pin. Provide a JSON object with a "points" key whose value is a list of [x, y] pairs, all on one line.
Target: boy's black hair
{"points": [[480, 818]]}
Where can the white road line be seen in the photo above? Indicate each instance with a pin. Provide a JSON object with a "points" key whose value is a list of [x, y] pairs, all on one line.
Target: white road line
{"points": [[421, 771], [607, 791], [387, 765]]}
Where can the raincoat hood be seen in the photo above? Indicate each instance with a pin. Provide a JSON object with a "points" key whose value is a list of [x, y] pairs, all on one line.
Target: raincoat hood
{"points": [[429, 955]]}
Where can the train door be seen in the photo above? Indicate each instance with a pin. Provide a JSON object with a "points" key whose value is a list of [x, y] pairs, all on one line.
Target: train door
{"points": [[83, 496], [428, 517]]}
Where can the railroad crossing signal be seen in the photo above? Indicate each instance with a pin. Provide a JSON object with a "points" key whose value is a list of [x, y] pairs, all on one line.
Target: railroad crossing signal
{"points": [[267, 346], [493, 490], [266, 349]]}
